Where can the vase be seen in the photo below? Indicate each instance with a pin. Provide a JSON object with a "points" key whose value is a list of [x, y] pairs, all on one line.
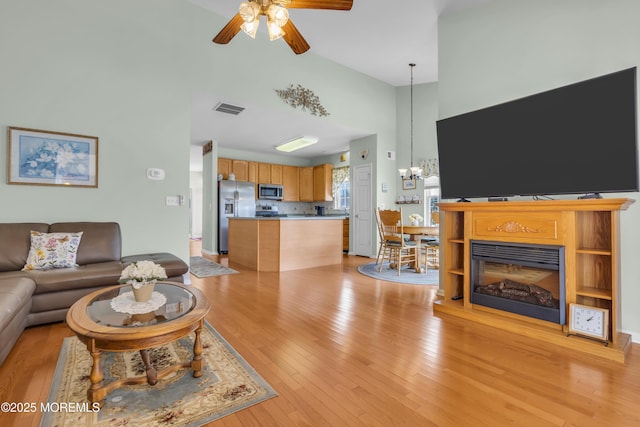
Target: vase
{"points": [[144, 292], [415, 223]]}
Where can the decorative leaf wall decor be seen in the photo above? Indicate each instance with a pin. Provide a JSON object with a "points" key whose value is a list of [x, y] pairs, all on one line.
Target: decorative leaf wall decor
{"points": [[300, 96]]}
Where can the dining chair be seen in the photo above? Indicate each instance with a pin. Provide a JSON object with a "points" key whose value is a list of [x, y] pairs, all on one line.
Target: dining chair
{"points": [[382, 247], [397, 249], [431, 245]]}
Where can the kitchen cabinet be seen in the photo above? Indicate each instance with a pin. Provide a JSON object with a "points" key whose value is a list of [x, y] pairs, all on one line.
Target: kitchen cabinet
{"points": [[276, 174], [240, 169], [264, 173], [284, 244], [323, 183], [253, 172], [253, 175], [306, 184], [345, 235], [224, 167], [290, 182]]}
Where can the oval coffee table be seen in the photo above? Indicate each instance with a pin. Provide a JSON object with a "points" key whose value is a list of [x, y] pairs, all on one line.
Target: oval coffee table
{"points": [[101, 328]]}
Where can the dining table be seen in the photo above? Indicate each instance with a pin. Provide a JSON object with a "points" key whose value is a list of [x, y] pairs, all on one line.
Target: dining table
{"points": [[416, 232]]}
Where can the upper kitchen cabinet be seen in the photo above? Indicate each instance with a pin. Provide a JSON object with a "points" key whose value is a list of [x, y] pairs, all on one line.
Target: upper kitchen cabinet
{"points": [[290, 183], [264, 173], [306, 184], [323, 183], [224, 167], [276, 174], [253, 172], [240, 169]]}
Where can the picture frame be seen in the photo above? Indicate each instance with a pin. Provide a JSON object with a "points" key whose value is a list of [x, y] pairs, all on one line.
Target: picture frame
{"points": [[40, 157], [408, 183]]}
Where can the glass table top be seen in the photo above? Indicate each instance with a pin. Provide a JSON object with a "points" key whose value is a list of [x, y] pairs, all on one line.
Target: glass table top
{"points": [[179, 302]]}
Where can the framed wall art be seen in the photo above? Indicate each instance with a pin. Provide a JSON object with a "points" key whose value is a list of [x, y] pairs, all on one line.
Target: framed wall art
{"points": [[39, 157], [409, 184]]}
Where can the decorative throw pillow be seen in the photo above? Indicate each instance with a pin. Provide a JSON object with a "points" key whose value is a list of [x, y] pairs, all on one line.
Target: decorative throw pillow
{"points": [[52, 250]]}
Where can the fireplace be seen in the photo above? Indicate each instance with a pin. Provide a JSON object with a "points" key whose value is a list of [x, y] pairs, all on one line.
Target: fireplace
{"points": [[525, 279]]}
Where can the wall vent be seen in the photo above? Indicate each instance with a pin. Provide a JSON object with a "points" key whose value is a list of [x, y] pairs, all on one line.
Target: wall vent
{"points": [[228, 108]]}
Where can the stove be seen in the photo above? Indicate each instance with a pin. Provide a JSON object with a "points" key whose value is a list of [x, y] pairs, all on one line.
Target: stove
{"points": [[268, 211]]}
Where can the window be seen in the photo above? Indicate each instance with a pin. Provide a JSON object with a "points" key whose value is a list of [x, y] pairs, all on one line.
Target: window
{"points": [[341, 188], [431, 198]]}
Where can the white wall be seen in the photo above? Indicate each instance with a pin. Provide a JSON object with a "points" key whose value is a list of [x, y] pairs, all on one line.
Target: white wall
{"points": [[114, 70], [512, 48], [425, 142], [125, 71]]}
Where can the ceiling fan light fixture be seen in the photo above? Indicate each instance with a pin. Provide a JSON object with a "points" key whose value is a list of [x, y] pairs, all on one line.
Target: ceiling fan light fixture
{"points": [[277, 14], [249, 11], [275, 32], [297, 144], [251, 28]]}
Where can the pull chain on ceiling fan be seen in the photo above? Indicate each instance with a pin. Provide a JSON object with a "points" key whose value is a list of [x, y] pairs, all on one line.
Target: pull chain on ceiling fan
{"points": [[278, 23]]}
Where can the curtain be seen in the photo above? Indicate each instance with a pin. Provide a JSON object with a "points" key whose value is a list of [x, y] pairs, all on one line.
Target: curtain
{"points": [[430, 168], [339, 176]]}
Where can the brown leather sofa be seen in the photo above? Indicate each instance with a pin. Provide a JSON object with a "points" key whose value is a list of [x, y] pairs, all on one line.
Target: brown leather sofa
{"points": [[36, 297]]}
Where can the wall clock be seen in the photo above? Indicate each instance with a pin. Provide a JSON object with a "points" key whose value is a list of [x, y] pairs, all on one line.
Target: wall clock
{"points": [[590, 322]]}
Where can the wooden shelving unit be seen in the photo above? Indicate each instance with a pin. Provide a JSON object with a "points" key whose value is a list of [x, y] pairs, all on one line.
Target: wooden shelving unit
{"points": [[589, 230]]}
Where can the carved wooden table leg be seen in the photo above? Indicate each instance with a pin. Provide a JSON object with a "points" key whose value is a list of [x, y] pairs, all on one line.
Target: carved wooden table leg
{"points": [[152, 375], [196, 364], [96, 392]]}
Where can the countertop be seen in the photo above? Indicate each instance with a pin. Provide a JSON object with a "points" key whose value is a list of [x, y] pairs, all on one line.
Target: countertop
{"points": [[294, 217]]}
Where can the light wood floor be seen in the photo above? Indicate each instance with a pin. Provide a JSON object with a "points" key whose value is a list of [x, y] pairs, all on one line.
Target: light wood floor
{"points": [[343, 349]]}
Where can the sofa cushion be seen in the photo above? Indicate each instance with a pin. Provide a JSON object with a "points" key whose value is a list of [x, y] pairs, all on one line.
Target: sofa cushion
{"points": [[101, 241], [15, 293], [15, 242], [84, 276], [52, 250]]}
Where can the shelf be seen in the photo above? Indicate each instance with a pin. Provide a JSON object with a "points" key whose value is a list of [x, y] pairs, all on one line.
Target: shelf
{"points": [[459, 241], [458, 271], [594, 292], [605, 252]]}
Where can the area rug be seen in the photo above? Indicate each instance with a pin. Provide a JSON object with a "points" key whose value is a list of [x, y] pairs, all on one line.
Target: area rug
{"points": [[228, 384], [407, 274], [202, 267]]}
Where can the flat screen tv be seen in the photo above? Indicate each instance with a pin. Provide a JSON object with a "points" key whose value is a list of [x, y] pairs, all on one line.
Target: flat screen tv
{"points": [[576, 139]]}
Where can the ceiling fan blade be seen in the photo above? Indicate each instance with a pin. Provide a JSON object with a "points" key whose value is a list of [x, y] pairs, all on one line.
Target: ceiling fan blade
{"points": [[229, 31], [294, 39], [320, 4]]}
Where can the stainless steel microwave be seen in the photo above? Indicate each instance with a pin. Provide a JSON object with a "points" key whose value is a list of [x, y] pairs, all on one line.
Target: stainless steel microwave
{"points": [[270, 191]]}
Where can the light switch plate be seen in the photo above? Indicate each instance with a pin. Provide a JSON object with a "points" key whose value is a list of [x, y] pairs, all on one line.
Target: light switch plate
{"points": [[172, 201], [155, 174]]}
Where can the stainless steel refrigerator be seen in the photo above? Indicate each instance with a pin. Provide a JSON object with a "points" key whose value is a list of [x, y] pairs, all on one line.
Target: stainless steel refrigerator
{"points": [[235, 199]]}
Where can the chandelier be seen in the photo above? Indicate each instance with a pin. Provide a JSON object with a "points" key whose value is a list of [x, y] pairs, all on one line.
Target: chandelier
{"points": [[277, 17], [415, 172]]}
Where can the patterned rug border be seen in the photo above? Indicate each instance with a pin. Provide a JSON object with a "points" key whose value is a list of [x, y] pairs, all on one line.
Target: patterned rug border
{"points": [[197, 264], [410, 277], [48, 417]]}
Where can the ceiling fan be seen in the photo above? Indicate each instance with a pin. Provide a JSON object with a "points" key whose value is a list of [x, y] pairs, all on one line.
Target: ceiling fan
{"points": [[278, 23]]}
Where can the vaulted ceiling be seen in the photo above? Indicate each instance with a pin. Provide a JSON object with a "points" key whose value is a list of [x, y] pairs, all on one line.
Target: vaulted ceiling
{"points": [[376, 37]]}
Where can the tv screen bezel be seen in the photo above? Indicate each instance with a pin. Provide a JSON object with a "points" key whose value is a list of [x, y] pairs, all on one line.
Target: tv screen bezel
{"points": [[568, 188]]}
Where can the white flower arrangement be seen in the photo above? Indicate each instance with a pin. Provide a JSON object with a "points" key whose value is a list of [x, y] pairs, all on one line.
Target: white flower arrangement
{"points": [[415, 217], [138, 273]]}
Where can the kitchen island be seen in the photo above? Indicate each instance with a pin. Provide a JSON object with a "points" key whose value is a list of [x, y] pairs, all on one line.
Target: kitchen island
{"points": [[285, 243]]}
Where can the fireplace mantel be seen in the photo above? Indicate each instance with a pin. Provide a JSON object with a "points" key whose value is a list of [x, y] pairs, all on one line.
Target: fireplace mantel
{"points": [[588, 229]]}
